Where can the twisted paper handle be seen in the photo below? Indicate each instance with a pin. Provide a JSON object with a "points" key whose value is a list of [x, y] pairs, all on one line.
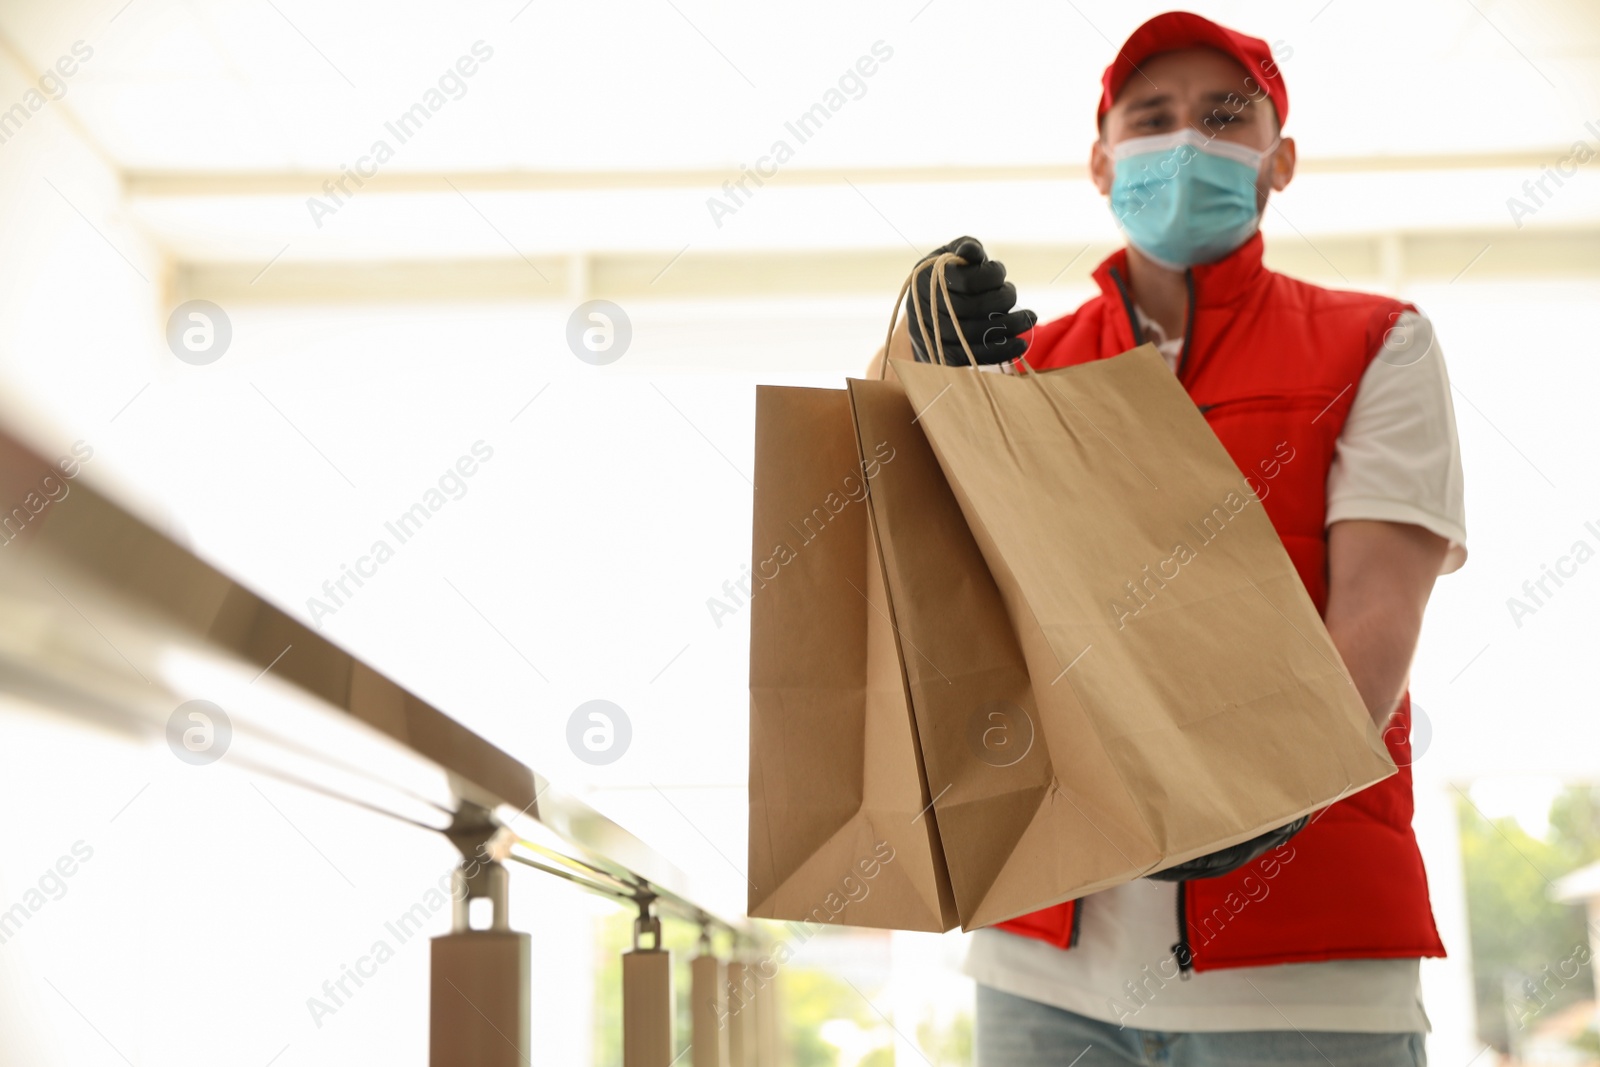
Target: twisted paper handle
{"points": [[935, 264]]}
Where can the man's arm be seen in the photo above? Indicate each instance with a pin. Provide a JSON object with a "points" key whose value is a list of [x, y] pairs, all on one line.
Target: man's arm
{"points": [[1380, 575]]}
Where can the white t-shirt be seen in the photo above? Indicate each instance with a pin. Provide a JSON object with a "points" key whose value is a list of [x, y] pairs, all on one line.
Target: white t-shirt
{"points": [[1397, 460]]}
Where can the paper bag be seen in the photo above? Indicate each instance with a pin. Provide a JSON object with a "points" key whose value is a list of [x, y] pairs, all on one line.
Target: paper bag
{"points": [[840, 824], [1182, 694]]}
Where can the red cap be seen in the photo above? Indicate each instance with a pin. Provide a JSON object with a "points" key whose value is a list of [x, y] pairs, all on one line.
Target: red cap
{"points": [[1184, 29]]}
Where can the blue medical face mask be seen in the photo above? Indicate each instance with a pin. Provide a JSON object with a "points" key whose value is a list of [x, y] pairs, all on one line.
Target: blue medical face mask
{"points": [[1183, 198]]}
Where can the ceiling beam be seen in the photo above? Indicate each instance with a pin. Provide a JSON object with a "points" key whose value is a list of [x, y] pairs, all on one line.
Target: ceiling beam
{"points": [[1374, 260], [166, 184]]}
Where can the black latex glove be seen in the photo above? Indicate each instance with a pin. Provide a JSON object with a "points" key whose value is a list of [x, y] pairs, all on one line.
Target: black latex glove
{"points": [[982, 299], [1231, 859]]}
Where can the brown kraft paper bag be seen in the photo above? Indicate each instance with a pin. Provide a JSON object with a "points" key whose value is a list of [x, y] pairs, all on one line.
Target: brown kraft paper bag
{"points": [[840, 825], [1113, 664]]}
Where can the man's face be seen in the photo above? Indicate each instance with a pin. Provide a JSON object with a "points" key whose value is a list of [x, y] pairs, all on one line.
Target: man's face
{"points": [[1201, 89]]}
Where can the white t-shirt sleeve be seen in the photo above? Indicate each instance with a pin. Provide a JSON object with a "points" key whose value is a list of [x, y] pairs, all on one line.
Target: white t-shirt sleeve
{"points": [[1398, 458]]}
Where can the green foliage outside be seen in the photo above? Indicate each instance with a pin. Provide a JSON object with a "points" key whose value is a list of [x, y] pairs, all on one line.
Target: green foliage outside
{"points": [[1518, 933], [813, 997], [950, 1047]]}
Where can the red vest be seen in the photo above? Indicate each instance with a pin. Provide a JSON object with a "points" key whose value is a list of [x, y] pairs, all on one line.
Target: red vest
{"points": [[1273, 363]]}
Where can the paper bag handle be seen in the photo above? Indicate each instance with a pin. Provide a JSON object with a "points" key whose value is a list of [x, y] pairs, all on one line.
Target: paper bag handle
{"points": [[935, 265]]}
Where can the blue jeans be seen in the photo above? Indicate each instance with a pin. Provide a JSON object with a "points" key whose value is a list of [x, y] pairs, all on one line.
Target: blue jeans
{"points": [[1016, 1032]]}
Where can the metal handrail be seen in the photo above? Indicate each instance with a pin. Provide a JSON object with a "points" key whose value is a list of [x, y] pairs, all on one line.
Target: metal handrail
{"points": [[105, 618]]}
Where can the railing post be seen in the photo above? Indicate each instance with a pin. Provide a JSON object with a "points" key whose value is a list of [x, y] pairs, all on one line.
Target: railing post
{"points": [[768, 1022], [647, 994], [480, 1000], [741, 1015], [709, 1006]]}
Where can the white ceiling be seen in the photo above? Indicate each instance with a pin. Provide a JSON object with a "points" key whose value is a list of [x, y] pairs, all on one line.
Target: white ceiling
{"points": [[296, 85], [222, 117]]}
